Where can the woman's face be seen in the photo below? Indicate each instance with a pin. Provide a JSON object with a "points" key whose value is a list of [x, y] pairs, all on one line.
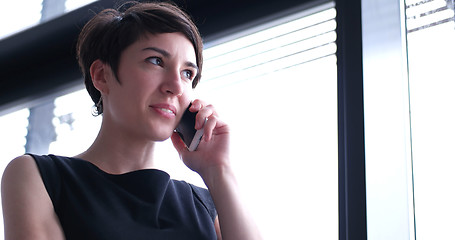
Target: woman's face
{"points": [[155, 75]]}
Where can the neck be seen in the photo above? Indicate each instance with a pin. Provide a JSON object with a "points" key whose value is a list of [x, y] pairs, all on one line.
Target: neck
{"points": [[117, 153]]}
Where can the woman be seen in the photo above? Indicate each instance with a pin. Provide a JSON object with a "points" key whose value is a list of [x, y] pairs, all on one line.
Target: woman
{"points": [[140, 66]]}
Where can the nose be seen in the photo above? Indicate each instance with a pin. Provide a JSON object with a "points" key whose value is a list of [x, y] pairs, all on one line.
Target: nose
{"points": [[172, 84]]}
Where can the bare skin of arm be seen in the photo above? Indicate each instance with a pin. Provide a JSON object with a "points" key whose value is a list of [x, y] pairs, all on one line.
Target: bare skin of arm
{"points": [[234, 219], [27, 209]]}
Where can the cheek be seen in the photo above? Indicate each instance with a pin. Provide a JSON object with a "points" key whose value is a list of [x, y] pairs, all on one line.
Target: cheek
{"points": [[187, 96], [142, 85]]}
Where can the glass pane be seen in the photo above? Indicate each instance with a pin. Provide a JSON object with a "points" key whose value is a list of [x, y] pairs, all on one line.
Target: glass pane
{"points": [[74, 4], [285, 148], [18, 16], [13, 129], [74, 123], [431, 52], [388, 160], [277, 89]]}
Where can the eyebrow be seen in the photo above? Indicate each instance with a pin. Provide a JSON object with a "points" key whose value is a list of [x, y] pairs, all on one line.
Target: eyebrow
{"points": [[167, 55]]}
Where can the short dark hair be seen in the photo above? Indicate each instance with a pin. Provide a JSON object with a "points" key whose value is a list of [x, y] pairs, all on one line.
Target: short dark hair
{"points": [[111, 31]]}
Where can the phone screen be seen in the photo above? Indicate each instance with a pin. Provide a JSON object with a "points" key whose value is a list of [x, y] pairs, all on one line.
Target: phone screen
{"points": [[190, 136]]}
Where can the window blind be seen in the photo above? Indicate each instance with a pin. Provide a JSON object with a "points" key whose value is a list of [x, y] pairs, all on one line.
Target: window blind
{"points": [[285, 45], [422, 14]]}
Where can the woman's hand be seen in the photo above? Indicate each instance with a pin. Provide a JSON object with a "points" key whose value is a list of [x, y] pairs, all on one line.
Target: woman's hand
{"points": [[213, 151]]}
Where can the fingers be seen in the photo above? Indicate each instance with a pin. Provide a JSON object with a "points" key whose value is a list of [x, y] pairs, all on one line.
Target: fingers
{"points": [[205, 111], [206, 118], [210, 125]]}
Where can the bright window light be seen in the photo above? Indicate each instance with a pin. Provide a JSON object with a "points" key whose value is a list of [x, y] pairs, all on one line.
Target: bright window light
{"points": [[277, 88], [74, 123], [431, 87], [423, 14], [74, 4], [18, 17]]}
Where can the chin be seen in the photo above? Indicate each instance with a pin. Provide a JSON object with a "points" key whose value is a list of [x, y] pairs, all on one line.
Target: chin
{"points": [[162, 137], [161, 140]]}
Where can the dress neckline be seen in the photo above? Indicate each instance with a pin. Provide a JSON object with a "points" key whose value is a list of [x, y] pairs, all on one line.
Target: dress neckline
{"points": [[134, 172]]}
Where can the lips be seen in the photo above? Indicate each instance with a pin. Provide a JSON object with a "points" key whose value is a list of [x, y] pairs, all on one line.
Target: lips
{"points": [[165, 110]]}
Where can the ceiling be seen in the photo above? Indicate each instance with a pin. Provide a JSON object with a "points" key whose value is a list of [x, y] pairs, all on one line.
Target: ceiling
{"points": [[41, 60]]}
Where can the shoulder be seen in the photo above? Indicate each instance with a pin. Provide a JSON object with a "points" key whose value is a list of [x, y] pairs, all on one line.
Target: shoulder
{"points": [[24, 198], [22, 167], [203, 195], [200, 192], [21, 176], [25, 177], [27, 169], [28, 162]]}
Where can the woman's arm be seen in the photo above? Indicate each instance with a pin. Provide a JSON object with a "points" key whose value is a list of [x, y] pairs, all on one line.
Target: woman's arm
{"points": [[28, 212], [211, 161], [234, 219]]}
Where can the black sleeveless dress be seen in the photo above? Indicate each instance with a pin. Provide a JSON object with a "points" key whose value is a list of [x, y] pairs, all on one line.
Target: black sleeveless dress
{"points": [[143, 204]]}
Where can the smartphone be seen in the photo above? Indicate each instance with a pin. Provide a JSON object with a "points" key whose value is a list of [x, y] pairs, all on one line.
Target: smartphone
{"points": [[190, 136]]}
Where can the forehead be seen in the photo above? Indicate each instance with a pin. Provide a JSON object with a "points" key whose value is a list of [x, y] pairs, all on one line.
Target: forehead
{"points": [[176, 44]]}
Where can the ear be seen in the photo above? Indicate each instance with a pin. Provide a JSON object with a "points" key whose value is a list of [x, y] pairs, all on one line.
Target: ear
{"points": [[99, 73]]}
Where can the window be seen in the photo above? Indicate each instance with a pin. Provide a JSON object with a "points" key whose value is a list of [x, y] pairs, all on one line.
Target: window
{"points": [[21, 18], [13, 127], [278, 89], [388, 162], [29, 16], [430, 37], [276, 86], [409, 118], [75, 126]]}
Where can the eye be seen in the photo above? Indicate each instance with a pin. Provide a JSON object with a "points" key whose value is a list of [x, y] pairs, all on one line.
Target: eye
{"points": [[155, 60], [188, 74]]}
